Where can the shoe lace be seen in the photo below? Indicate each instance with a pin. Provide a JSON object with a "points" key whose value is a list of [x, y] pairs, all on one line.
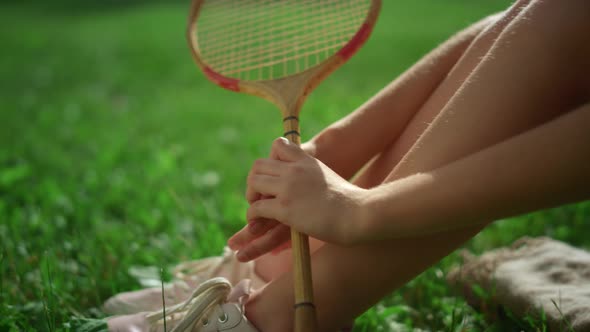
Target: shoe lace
{"points": [[209, 295]]}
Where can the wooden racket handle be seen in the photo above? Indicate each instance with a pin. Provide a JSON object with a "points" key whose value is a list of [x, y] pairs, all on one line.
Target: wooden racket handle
{"points": [[305, 314]]}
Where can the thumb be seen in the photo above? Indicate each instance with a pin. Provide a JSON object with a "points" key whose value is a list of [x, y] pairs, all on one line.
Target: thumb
{"points": [[284, 150]]}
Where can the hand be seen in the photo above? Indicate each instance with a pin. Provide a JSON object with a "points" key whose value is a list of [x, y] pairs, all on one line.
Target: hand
{"points": [[291, 188]]}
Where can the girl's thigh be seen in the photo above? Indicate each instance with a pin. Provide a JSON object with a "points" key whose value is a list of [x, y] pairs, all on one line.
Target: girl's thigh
{"points": [[382, 165], [528, 67]]}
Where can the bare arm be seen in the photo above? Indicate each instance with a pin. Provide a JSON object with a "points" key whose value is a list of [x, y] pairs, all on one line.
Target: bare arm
{"points": [[541, 168], [376, 124]]}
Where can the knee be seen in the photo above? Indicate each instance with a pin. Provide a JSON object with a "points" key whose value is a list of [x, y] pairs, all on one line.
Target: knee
{"points": [[562, 15], [564, 25]]}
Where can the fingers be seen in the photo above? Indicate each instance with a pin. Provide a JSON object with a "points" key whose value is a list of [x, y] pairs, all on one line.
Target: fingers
{"points": [[263, 233], [252, 196], [250, 232], [281, 248], [264, 244], [241, 238], [243, 241], [258, 185], [262, 167], [261, 226], [286, 151], [270, 166], [260, 181], [266, 209]]}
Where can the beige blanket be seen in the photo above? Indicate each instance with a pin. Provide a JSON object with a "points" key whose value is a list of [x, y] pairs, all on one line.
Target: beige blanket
{"points": [[532, 276]]}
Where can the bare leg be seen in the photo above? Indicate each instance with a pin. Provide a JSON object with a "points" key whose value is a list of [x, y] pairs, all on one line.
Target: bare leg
{"points": [[409, 92], [520, 82], [272, 266]]}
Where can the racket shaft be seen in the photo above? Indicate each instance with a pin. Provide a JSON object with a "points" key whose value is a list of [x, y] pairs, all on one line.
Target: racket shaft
{"points": [[305, 315]]}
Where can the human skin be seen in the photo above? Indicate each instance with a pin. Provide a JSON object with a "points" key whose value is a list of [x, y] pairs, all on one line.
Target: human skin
{"points": [[379, 127], [481, 187], [517, 92]]}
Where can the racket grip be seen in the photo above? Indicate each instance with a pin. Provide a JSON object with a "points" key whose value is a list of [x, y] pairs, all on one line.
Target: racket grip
{"points": [[305, 313], [305, 319]]}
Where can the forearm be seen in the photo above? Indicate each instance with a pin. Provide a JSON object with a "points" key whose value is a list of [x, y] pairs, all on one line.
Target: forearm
{"points": [[541, 168], [348, 144]]}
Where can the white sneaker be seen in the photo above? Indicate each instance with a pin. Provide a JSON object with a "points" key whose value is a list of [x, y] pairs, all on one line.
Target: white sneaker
{"points": [[189, 275], [214, 306]]}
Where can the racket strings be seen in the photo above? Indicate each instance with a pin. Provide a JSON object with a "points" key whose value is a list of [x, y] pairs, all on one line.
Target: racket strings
{"points": [[286, 36], [280, 50], [286, 32], [266, 39]]}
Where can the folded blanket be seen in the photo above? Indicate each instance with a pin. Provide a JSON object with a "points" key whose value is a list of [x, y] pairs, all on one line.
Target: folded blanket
{"points": [[533, 276]]}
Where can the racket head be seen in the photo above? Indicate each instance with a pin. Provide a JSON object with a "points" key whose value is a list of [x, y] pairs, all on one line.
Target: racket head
{"points": [[277, 49]]}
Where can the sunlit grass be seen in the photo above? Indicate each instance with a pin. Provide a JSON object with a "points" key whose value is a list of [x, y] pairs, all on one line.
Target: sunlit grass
{"points": [[116, 152]]}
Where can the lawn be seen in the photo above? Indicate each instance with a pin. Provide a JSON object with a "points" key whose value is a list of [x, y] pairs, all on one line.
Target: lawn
{"points": [[116, 152]]}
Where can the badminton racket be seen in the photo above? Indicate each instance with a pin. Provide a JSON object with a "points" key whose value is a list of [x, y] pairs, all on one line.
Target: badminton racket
{"points": [[280, 50]]}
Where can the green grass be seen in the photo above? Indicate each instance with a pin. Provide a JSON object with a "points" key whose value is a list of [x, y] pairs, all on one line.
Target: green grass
{"points": [[116, 152]]}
